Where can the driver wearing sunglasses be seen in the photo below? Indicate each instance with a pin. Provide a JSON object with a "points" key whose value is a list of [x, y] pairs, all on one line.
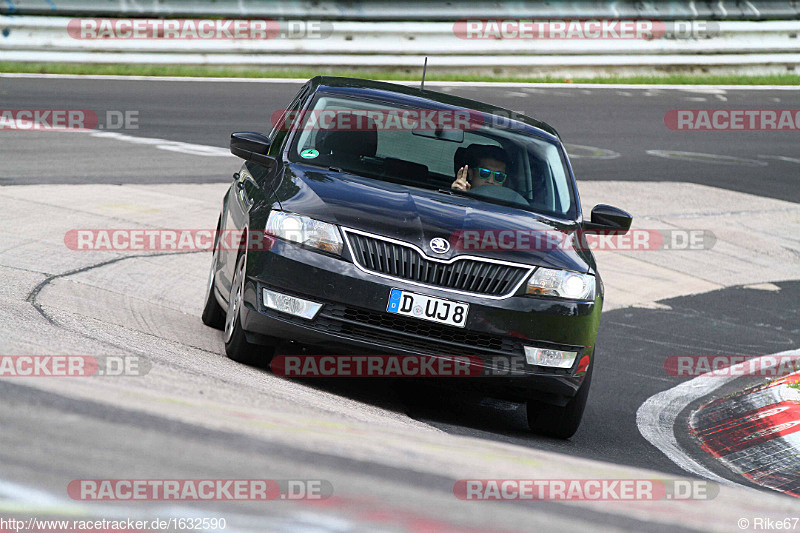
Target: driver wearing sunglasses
{"points": [[487, 167]]}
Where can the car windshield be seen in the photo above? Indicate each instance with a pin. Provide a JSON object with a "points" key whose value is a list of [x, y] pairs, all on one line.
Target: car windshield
{"points": [[390, 142]]}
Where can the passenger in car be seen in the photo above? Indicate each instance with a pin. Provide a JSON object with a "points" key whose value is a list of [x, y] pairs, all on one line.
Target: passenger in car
{"points": [[486, 165]]}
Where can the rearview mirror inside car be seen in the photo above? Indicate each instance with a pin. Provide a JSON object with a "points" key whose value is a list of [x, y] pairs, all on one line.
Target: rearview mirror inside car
{"points": [[252, 147], [449, 134]]}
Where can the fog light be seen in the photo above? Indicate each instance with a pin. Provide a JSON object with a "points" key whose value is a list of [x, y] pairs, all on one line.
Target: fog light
{"points": [[551, 358], [290, 305]]}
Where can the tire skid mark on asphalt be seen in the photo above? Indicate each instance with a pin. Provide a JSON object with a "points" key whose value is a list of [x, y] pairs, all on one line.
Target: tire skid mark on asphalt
{"points": [[107, 324], [34, 293], [449, 450], [695, 342], [656, 418]]}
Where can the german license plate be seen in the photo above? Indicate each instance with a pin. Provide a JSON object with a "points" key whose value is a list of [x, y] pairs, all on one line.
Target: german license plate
{"points": [[427, 308]]}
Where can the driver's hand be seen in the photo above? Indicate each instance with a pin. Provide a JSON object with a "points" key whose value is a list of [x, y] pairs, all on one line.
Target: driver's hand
{"points": [[461, 182]]}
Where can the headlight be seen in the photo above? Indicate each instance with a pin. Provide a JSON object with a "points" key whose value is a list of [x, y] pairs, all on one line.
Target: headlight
{"points": [[562, 284], [306, 231]]}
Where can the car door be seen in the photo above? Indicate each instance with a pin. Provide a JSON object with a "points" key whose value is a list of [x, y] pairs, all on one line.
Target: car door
{"points": [[244, 190]]}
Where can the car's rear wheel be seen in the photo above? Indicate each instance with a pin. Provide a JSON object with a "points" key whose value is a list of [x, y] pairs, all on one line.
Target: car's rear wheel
{"points": [[213, 314], [558, 421], [236, 345]]}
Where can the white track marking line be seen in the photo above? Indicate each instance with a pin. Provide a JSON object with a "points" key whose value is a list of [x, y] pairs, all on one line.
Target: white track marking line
{"points": [[780, 158], [656, 417], [164, 144], [149, 78], [706, 158], [21, 493], [414, 83]]}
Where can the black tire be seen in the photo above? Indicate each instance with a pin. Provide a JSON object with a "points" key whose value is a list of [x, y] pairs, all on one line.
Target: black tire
{"points": [[213, 313], [560, 422], [236, 346], [412, 394]]}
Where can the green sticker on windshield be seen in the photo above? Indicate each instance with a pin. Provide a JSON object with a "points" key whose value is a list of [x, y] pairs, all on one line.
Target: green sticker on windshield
{"points": [[309, 154]]}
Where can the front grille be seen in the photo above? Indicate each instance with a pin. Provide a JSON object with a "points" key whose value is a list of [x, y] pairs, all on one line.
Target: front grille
{"points": [[389, 332], [405, 262], [413, 334]]}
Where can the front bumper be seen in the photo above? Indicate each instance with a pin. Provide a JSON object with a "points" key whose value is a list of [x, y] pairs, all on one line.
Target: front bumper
{"points": [[353, 320]]}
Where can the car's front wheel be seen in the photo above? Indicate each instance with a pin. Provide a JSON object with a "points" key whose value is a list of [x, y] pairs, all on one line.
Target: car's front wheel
{"points": [[236, 345], [559, 421]]}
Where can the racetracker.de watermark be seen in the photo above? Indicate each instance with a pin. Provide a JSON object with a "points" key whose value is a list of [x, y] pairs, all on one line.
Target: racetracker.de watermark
{"points": [[71, 366], [67, 120], [584, 489], [731, 365], [105, 525], [199, 489], [733, 119], [613, 240], [183, 240], [409, 365], [197, 29], [165, 240], [582, 29], [379, 119], [298, 366]]}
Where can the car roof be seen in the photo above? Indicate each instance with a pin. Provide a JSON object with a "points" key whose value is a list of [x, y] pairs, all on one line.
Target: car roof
{"points": [[403, 92]]}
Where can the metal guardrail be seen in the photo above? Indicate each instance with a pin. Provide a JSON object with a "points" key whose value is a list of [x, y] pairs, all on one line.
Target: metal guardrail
{"points": [[412, 38], [724, 47], [413, 10]]}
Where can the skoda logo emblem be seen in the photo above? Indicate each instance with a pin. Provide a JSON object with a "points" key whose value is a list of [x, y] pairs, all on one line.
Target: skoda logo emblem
{"points": [[439, 245]]}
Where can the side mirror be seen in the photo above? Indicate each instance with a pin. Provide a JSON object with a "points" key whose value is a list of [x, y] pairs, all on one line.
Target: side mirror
{"points": [[252, 147], [606, 217]]}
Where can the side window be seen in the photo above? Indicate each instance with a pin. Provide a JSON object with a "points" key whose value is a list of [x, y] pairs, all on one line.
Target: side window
{"points": [[285, 122]]}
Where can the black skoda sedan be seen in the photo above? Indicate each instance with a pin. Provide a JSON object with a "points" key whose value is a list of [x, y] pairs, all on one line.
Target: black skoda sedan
{"points": [[378, 218]]}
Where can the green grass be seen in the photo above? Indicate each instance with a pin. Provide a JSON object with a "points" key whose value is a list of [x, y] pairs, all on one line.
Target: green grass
{"points": [[396, 74]]}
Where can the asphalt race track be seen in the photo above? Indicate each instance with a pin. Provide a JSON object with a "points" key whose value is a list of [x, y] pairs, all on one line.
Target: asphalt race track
{"points": [[625, 121], [391, 457]]}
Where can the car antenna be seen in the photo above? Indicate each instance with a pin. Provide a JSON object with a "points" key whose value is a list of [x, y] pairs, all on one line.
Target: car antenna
{"points": [[424, 69]]}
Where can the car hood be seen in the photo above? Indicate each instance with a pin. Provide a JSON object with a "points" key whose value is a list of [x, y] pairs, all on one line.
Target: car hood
{"points": [[417, 216]]}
